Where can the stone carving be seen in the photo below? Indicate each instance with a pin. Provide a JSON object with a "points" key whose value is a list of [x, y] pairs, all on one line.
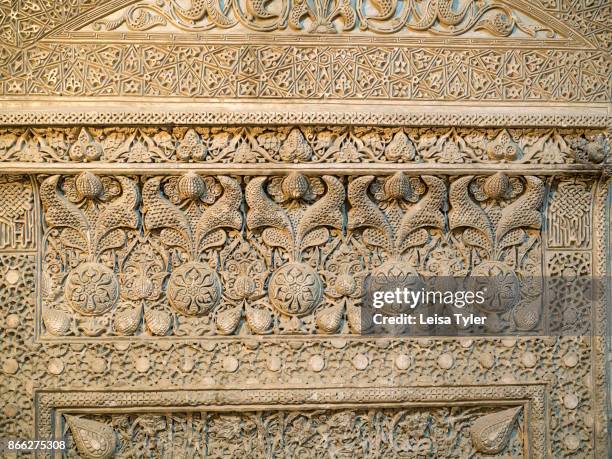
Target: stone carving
{"points": [[17, 223], [215, 117], [463, 72], [572, 289], [305, 144], [17, 284], [391, 432], [570, 214], [559, 365], [294, 262], [440, 17]]}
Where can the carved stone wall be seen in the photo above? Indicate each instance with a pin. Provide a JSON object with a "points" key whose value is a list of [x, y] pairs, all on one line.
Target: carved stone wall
{"points": [[193, 193]]}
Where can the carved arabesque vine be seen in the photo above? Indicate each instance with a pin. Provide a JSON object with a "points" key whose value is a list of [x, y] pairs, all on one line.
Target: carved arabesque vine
{"points": [[441, 17], [305, 144], [389, 432]]}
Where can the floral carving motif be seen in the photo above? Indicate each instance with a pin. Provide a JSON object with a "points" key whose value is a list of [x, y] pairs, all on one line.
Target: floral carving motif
{"points": [[94, 440], [295, 230], [497, 218], [308, 433], [307, 144], [191, 147], [491, 433], [85, 149], [503, 293], [87, 218], [194, 289], [504, 148], [295, 288], [91, 289], [322, 16], [287, 257], [195, 225]]}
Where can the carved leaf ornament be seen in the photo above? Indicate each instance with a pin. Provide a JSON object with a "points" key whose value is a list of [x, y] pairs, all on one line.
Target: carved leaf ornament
{"points": [[187, 247], [443, 17]]}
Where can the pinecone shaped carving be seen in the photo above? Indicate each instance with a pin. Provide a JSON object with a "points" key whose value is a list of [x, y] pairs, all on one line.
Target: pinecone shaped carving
{"points": [[56, 322], [94, 440], [329, 319], [490, 433], [259, 320], [527, 314], [126, 322], [158, 322], [228, 320]]}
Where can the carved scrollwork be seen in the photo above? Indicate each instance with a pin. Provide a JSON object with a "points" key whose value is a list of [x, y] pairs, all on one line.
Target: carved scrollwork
{"points": [[441, 17]]}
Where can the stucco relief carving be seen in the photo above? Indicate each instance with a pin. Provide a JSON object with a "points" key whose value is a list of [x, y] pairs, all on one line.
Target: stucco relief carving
{"points": [[317, 433], [564, 363], [355, 73], [330, 16], [17, 214], [306, 144], [53, 50], [118, 266], [201, 255], [367, 362]]}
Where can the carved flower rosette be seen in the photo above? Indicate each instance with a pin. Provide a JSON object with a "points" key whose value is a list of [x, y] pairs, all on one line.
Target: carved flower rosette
{"points": [[89, 219]]}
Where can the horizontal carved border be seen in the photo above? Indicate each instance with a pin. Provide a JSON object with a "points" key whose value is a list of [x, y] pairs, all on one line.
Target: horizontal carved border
{"points": [[233, 146], [283, 73], [271, 169], [390, 116], [51, 405]]}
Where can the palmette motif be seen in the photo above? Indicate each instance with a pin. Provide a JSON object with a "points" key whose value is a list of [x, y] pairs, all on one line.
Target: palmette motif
{"points": [[305, 144], [292, 254], [193, 287], [90, 218], [497, 220]]}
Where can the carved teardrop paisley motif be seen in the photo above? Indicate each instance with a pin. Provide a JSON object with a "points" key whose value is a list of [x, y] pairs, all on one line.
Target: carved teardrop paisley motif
{"points": [[93, 439], [491, 433]]}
